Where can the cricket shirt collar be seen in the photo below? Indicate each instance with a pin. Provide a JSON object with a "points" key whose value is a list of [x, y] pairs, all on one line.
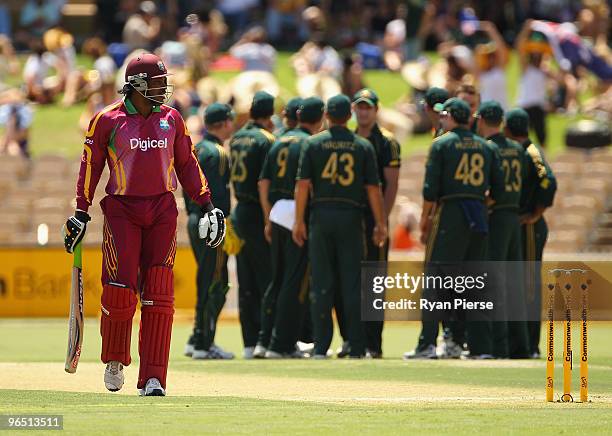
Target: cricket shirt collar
{"points": [[212, 138], [131, 110]]}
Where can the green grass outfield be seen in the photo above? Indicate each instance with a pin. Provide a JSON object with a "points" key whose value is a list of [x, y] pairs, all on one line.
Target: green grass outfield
{"points": [[56, 129], [386, 396]]}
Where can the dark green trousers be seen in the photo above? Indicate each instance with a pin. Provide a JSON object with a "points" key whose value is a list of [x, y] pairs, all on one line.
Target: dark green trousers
{"points": [[534, 240], [374, 329], [253, 268], [336, 249], [505, 246], [212, 286], [451, 240], [284, 302]]}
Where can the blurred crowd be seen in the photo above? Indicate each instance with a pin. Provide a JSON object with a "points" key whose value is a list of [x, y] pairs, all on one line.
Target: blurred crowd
{"points": [[562, 47]]}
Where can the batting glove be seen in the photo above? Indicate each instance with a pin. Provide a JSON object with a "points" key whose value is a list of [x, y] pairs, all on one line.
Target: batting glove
{"points": [[212, 227], [74, 229]]}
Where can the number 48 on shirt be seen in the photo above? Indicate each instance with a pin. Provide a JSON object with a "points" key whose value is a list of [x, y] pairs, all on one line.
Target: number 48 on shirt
{"points": [[470, 169]]}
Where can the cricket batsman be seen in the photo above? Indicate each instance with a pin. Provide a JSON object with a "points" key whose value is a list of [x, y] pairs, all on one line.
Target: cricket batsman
{"points": [[147, 148]]}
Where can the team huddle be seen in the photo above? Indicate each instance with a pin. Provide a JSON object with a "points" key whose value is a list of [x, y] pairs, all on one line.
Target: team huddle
{"points": [[298, 228], [311, 204], [484, 194]]}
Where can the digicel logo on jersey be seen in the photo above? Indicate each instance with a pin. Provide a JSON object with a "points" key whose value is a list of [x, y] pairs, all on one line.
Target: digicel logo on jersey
{"points": [[145, 144]]}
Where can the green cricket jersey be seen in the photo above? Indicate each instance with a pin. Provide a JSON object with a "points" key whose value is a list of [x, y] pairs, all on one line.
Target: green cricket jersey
{"points": [[539, 185], [512, 159], [339, 164], [215, 163], [462, 165], [387, 151], [281, 164], [249, 147]]}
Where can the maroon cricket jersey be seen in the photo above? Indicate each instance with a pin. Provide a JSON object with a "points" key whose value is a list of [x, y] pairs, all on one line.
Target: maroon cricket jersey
{"points": [[144, 155]]}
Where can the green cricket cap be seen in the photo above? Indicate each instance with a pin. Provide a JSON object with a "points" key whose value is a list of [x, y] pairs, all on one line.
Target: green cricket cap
{"points": [[262, 105], [436, 95], [218, 112], [517, 121], [366, 95], [339, 106], [491, 111], [457, 108], [311, 110], [292, 107]]}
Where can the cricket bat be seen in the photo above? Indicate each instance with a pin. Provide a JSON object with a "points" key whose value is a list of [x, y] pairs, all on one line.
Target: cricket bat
{"points": [[75, 320]]}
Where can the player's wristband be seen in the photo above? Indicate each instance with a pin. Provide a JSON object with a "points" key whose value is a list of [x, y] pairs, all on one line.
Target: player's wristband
{"points": [[208, 207], [82, 216]]}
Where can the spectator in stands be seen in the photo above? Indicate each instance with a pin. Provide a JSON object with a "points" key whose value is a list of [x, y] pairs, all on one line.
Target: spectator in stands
{"points": [[39, 86], [9, 64], [314, 19], [470, 94], [558, 11], [352, 77], [393, 42], [533, 52], [418, 15], [5, 21], [38, 16], [593, 24], [60, 44], [100, 81], [16, 118], [382, 14], [283, 14], [202, 38], [142, 28], [254, 51], [207, 26], [237, 14], [316, 56], [460, 63], [490, 65]]}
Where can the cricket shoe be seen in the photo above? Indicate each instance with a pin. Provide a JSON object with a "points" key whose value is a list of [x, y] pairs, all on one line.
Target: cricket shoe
{"points": [[344, 350], [297, 354], [305, 347], [275, 355], [220, 353], [201, 355], [370, 354], [484, 356], [450, 350], [212, 354], [189, 348], [247, 353], [319, 356], [153, 388], [428, 352], [113, 376], [300, 353], [259, 352]]}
